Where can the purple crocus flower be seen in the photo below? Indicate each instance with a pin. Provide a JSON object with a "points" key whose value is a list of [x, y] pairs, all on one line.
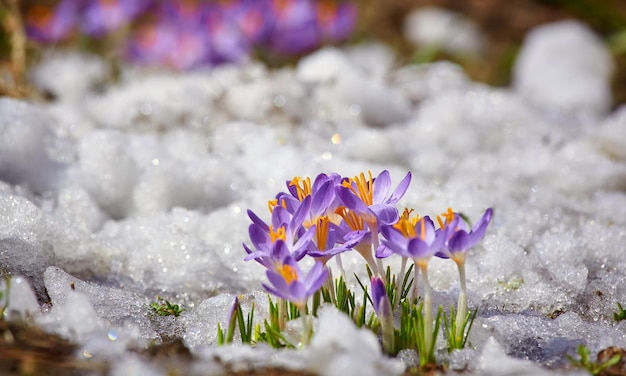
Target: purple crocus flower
{"points": [[182, 12], [378, 291], [100, 17], [290, 283], [336, 21], [178, 38], [49, 25], [172, 45], [250, 17], [417, 240], [372, 199], [274, 257], [461, 237], [369, 203], [329, 240], [322, 192], [227, 42], [150, 44], [459, 240], [285, 228], [294, 29]]}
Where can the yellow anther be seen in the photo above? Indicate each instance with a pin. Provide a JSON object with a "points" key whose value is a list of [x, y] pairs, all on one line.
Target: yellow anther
{"points": [[423, 229], [279, 233], [406, 224], [449, 217], [351, 218], [271, 204], [322, 232], [363, 188], [288, 273], [303, 186]]}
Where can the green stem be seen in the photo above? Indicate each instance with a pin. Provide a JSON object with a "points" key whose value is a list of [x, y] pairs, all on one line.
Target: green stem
{"points": [[428, 311], [399, 280], [416, 272], [461, 311], [329, 285], [282, 313]]}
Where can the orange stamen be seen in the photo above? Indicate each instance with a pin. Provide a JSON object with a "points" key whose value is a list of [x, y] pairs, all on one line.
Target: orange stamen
{"points": [[322, 232], [449, 217], [303, 190], [271, 204], [363, 187], [406, 225], [351, 218], [288, 273], [278, 234]]}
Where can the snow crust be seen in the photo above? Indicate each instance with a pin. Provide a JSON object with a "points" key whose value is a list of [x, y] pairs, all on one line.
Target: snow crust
{"points": [[112, 196]]}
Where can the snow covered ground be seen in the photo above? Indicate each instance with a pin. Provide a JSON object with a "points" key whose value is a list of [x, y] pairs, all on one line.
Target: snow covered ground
{"points": [[112, 194]]}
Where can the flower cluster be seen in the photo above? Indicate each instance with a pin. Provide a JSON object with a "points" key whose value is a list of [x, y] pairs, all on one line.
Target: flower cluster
{"points": [[335, 214], [190, 33]]}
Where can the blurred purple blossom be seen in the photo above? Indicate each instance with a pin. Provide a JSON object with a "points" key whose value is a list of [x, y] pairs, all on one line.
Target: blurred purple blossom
{"points": [[50, 25], [294, 26], [336, 20], [100, 17], [191, 33]]}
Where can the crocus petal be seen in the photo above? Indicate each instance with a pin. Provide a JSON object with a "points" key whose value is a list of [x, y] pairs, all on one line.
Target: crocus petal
{"points": [[383, 251], [298, 293], [400, 190], [393, 235], [459, 242], [322, 198], [301, 213], [419, 249], [280, 217], [429, 235], [396, 248], [320, 180], [350, 200], [277, 281], [299, 249], [258, 221], [279, 251], [357, 236], [255, 255], [316, 277], [315, 252], [258, 236], [479, 229], [386, 214], [381, 187], [443, 254], [291, 203], [378, 291], [274, 291]]}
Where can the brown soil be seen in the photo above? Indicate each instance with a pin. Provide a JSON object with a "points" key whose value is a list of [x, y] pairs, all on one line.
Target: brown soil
{"points": [[27, 350]]}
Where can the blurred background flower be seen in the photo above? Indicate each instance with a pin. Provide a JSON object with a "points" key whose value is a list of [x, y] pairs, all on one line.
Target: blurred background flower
{"points": [[481, 35]]}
